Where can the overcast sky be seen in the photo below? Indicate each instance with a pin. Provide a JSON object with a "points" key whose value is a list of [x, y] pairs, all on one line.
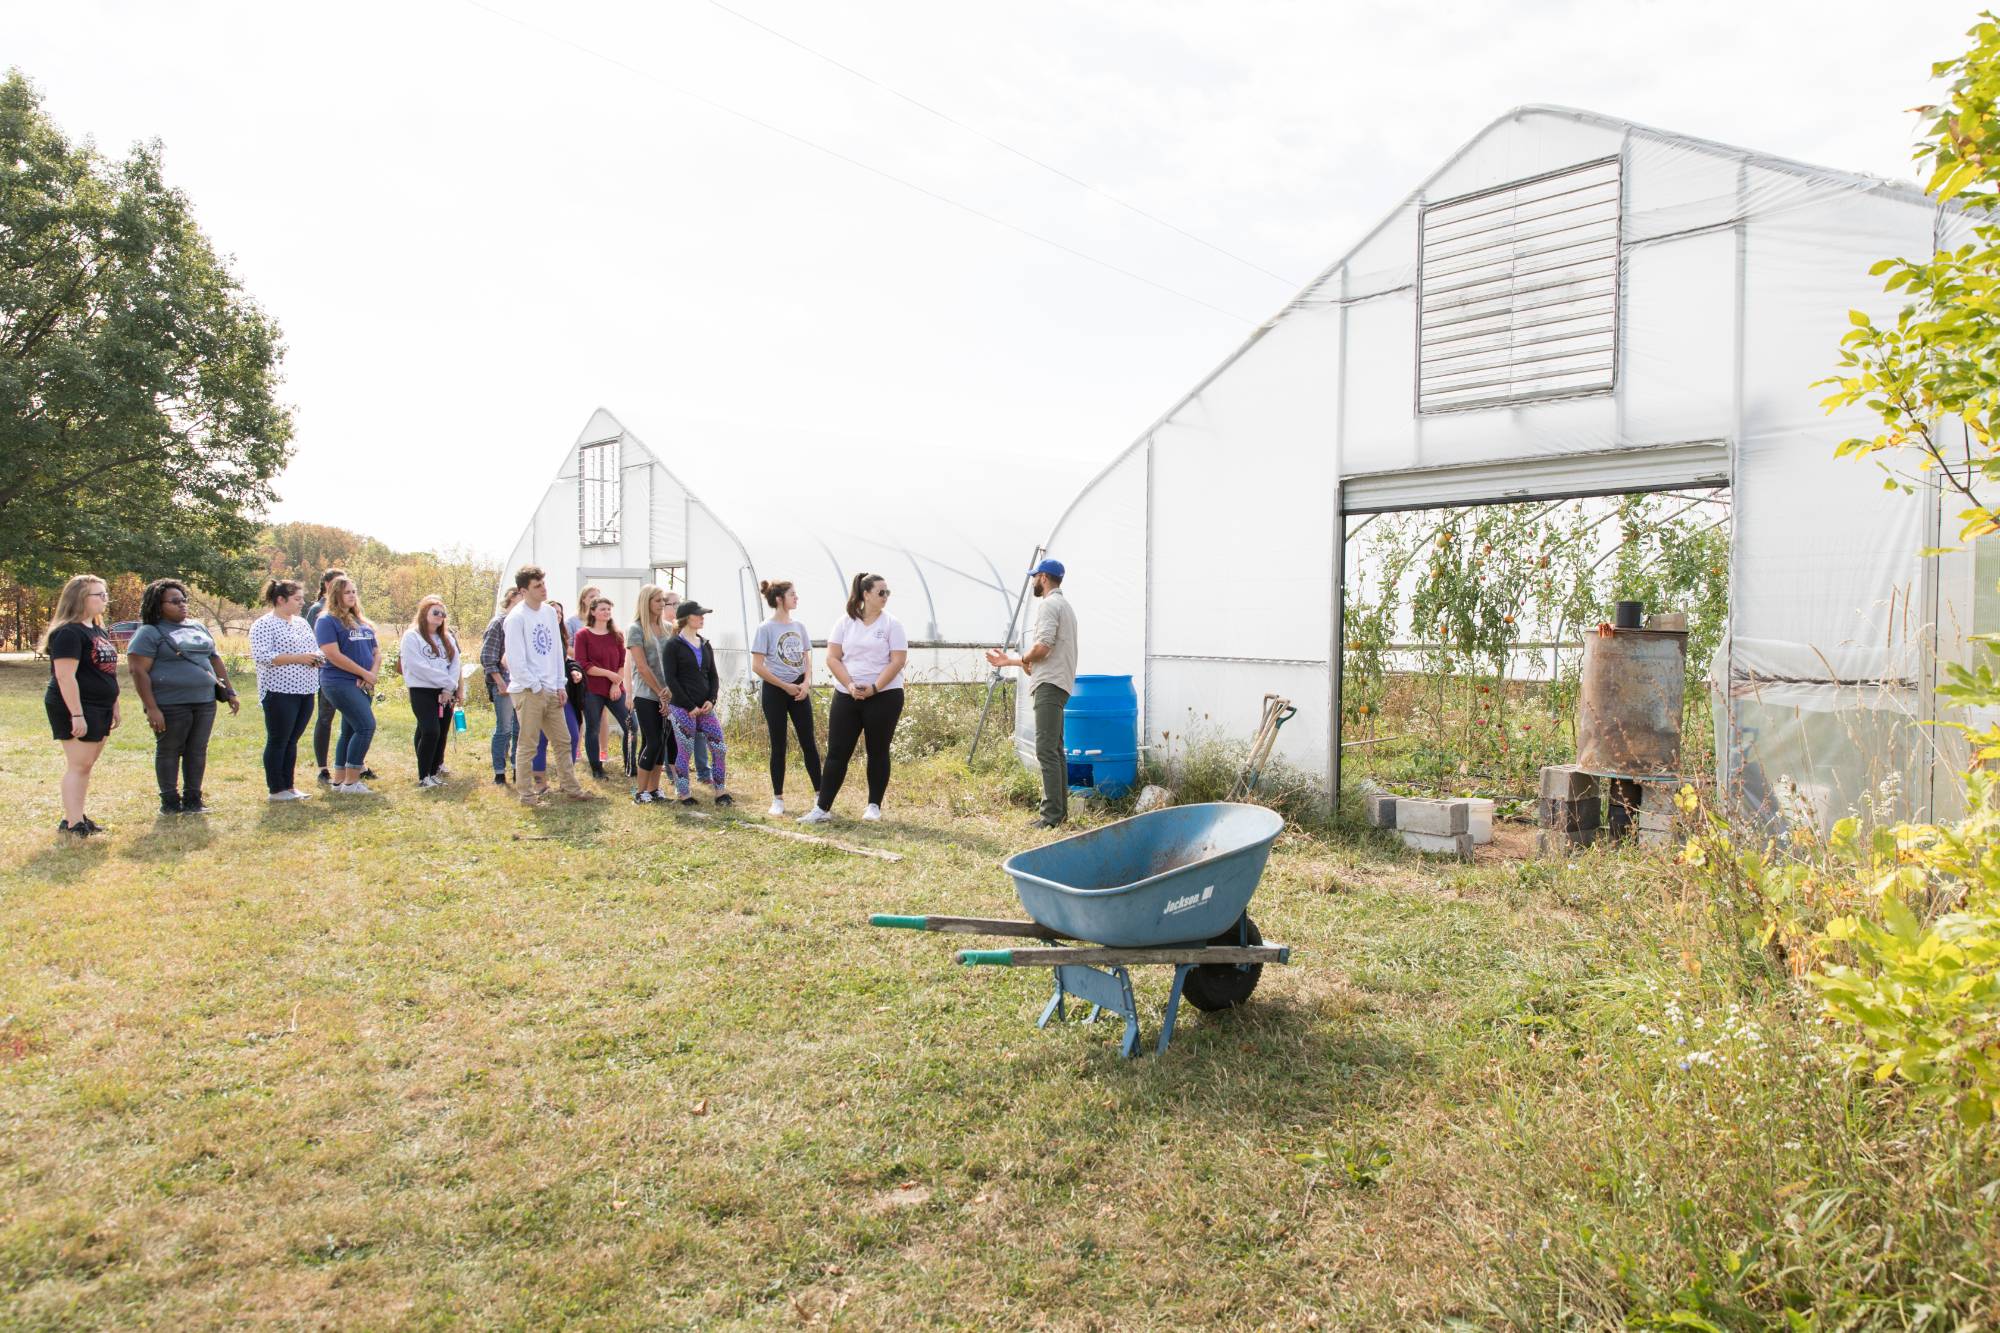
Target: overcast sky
{"points": [[477, 222]]}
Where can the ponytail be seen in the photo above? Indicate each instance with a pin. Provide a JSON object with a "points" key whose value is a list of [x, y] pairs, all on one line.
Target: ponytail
{"points": [[773, 593], [862, 583]]}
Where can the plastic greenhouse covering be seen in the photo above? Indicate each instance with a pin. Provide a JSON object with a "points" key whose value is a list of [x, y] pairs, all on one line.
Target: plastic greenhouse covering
{"points": [[1571, 305], [955, 576]]}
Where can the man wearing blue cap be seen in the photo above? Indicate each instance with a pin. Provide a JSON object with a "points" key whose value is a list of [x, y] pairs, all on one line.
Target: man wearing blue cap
{"points": [[1049, 665]]}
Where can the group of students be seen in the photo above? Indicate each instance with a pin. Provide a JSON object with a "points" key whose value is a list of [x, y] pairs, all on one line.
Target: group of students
{"points": [[551, 678]]}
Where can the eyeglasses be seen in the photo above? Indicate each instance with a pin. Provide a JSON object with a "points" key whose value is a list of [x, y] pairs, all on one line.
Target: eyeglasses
{"points": [[438, 611], [881, 592]]}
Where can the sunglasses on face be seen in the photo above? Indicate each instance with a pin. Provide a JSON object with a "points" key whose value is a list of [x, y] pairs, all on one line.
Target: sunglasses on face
{"points": [[438, 611]]}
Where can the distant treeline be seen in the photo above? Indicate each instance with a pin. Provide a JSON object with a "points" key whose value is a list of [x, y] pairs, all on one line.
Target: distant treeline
{"points": [[392, 583]]}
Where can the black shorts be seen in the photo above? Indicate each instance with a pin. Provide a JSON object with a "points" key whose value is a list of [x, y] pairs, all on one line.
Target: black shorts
{"points": [[96, 719]]}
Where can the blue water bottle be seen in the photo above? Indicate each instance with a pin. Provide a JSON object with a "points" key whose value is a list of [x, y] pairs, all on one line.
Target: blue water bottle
{"points": [[458, 719]]}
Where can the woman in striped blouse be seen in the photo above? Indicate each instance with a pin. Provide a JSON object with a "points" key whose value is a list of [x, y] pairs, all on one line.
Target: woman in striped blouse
{"points": [[288, 662]]}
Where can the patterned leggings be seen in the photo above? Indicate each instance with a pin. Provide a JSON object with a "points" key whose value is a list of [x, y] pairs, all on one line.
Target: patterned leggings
{"points": [[686, 727]]}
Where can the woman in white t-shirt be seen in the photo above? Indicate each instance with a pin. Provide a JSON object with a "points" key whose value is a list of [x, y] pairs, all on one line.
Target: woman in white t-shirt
{"points": [[865, 653]]}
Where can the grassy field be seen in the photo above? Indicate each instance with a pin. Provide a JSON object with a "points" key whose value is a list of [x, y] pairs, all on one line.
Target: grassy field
{"points": [[428, 1060]]}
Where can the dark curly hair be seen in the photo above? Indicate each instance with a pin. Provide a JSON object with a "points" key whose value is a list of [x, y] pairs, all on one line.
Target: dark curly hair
{"points": [[156, 591]]}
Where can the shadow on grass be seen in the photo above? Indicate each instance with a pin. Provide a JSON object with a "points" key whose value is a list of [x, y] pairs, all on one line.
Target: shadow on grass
{"points": [[66, 860], [171, 838]]}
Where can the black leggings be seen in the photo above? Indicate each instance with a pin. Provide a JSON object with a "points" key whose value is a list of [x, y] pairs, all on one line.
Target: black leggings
{"points": [[656, 738], [851, 720], [183, 746], [323, 728], [594, 706], [433, 728], [778, 705]]}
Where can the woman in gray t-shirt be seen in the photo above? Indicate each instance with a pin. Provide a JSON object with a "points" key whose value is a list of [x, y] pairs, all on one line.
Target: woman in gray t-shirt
{"points": [[781, 657], [645, 646], [178, 675]]}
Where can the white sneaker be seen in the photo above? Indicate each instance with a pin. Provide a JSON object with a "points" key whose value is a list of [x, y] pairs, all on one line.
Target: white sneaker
{"points": [[432, 781], [288, 796], [356, 788], [777, 806], [872, 813], [816, 816]]}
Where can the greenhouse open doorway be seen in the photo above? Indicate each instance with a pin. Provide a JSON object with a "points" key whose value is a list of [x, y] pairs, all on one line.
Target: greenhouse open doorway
{"points": [[1463, 596]]}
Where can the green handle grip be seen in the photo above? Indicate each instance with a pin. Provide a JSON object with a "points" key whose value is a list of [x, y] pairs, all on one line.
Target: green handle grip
{"points": [[900, 922], [990, 957]]}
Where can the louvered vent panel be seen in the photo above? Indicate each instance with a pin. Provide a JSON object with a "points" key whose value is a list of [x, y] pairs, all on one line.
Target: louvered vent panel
{"points": [[1518, 292]]}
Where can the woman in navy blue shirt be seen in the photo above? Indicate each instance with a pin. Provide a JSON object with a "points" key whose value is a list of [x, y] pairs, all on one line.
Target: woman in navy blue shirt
{"points": [[347, 638]]}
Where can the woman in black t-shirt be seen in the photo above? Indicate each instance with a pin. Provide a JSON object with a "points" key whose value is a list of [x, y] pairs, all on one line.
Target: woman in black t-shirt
{"points": [[82, 698]]}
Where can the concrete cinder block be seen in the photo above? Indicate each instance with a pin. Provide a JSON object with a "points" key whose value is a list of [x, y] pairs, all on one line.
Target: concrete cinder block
{"points": [[1570, 816], [1654, 821], [1567, 782], [1658, 796], [1559, 843], [1380, 810], [1439, 818], [1438, 844]]}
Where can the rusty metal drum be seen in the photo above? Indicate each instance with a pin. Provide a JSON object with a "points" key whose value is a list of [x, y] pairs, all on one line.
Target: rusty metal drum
{"points": [[1628, 721]]}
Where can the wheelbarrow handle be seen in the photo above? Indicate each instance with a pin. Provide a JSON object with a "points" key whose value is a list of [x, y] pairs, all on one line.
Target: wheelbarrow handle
{"points": [[988, 957], [899, 922]]}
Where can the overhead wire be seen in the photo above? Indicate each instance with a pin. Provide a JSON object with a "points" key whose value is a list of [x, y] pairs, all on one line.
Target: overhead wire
{"points": [[1002, 144], [852, 161]]}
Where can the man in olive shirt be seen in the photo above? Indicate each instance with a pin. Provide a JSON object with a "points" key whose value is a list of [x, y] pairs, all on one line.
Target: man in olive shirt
{"points": [[1050, 667]]}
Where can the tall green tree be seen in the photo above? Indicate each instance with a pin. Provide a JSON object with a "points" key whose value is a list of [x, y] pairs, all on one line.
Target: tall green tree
{"points": [[139, 421]]}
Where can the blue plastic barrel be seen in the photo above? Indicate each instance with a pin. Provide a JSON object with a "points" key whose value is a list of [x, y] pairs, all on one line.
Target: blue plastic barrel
{"points": [[1101, 735]]}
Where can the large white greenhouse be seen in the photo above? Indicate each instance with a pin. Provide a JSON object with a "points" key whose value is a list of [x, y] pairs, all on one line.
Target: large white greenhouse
{"points": [[615, 515], [1571, 305]]}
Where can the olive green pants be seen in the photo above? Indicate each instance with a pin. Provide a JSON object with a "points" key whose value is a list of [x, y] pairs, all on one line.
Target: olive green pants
{"points": [[1049, 703]]}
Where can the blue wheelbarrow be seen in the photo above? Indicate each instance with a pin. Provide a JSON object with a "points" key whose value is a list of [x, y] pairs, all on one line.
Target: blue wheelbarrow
{"points": [[1168, 887]]}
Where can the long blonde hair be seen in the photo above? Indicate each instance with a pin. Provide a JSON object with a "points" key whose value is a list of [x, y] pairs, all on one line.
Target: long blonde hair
{"points": [[69, 607], [422, 626], [649, 624], [334, 598]]}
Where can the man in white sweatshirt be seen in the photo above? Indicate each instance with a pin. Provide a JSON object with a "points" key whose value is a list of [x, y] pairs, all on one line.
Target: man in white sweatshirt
{"points": [[533, 636]]}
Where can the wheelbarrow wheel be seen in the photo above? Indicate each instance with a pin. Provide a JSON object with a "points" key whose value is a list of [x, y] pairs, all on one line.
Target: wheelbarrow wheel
{"points": [[1218, 986]]}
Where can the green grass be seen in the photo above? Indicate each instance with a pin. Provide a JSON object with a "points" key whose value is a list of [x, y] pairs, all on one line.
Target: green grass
{"points": [[430, 1060]]}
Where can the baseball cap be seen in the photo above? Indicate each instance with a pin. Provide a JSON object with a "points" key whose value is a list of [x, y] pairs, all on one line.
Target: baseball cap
{"points": [[690, 608], [1053, 568]]}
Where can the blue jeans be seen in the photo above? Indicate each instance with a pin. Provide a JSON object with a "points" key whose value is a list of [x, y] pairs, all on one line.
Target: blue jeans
{"points": [[357, 719], [506, 727], [541, 764]]}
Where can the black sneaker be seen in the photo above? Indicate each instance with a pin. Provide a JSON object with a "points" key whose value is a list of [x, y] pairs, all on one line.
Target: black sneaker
{"points": [[325, 778], [368, 775], [724, 798], [89, 825], [597, 771], [192, 805], [170, 805], [499, 779], [68, 830], [643, 798], [689, 800]]}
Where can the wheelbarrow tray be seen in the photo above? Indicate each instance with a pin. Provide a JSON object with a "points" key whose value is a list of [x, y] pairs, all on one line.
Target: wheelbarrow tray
{"points": [[1182, 875]]}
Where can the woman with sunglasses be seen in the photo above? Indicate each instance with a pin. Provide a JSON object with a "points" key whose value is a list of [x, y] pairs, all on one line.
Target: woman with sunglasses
{"points": [[600, 650], [179, 675], [430, 671], [82, 698], [693, 685], [865, 653]]}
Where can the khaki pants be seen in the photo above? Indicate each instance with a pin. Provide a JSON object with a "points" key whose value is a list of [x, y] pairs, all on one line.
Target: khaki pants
{"points": [[541, 714], [1049, 703]]}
